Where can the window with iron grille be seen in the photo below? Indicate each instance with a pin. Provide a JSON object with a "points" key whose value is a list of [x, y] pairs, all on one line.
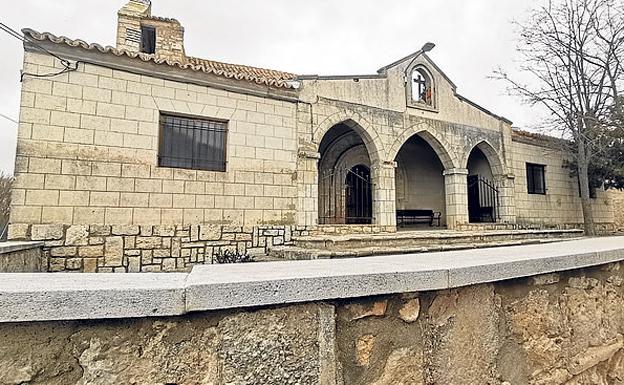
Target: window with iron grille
{"points": [[193, 143], [536, 178]]}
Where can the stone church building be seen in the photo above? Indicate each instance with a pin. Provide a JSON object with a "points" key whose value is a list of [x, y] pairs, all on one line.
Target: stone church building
{"points": [[142, 158]]}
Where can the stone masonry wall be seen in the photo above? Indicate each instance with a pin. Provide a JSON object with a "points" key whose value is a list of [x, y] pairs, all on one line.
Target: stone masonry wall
{"points": [[561, 206], [554, 329], [134, 248], [88, 146]]}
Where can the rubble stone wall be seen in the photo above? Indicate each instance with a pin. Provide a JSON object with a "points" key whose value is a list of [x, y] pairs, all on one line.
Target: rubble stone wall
{"points": [[134, 248], [557, 329]]}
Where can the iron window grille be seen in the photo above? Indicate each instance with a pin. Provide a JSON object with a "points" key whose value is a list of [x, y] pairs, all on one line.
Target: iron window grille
{"points": [[536, 178], [192, 143]]}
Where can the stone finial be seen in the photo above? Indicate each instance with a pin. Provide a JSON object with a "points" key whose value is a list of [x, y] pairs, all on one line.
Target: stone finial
{"points": [[137, 8]]}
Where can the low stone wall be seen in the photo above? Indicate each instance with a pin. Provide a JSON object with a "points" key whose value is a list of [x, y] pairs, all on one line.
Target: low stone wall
{"points": [[561, 328], [134, 248], [21, 257]]}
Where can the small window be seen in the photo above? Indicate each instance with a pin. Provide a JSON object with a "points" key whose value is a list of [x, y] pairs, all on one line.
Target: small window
{"points": [[193, 143], [148, 40], [536, 178], [422, 89]]}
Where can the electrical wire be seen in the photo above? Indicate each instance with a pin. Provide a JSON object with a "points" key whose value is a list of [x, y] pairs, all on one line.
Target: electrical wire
{"points": [[69, 67], [9, 118]]}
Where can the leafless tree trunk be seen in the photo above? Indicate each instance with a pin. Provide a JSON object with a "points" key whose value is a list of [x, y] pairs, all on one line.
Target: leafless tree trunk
{"points": [[572, 52]]}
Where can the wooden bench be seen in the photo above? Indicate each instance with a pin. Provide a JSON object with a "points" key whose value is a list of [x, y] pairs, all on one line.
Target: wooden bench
{"points": [[405, 217]]}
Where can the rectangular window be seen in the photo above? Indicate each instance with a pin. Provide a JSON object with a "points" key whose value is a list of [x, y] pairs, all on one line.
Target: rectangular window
{"points": [[536, 178], [148, 40], [193, 143]]}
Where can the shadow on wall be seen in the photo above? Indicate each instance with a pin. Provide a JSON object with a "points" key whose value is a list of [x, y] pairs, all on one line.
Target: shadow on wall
{"points": [[6, 184]]}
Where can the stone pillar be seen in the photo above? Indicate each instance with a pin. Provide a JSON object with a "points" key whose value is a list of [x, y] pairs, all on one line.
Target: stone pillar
{"points": [[506, 198], [307, 174], [384, 205], [456, 186]]}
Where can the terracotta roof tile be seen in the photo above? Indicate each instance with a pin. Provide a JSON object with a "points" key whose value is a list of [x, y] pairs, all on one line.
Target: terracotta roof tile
{"points": [[256, 75]]}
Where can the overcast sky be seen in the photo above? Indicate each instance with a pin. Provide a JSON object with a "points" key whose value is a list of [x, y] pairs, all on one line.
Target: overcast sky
{"points": [[324, 37]]}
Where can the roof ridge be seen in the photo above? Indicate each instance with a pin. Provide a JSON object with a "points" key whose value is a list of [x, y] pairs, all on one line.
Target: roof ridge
{"points": [[252, 74]]}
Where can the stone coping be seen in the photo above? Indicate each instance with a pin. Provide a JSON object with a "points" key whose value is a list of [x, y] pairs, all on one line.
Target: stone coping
{"points": [[62, 296], [436, 234], [13, 246]]}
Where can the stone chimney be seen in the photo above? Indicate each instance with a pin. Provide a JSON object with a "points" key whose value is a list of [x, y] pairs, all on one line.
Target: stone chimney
{"points": [[139, 31]]}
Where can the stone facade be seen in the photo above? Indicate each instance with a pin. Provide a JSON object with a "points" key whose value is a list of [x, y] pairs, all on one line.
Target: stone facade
{"points": [[560, 329], [88, 144], [146, 248], [169, 42], [560, 206]]}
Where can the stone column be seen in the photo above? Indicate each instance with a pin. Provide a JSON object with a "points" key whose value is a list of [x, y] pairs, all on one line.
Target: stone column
{"points": [[384, 206], [506, 198], [307, 175], [456, 185]]}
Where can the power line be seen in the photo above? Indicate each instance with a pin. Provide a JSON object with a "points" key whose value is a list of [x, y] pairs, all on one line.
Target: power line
{"points": [[9, 118], [26, 39], [66, 63]]}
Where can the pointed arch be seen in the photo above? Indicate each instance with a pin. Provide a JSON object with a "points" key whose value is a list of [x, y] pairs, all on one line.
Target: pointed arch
{"points": [[426, 132], [357, 123], [491, 155]]}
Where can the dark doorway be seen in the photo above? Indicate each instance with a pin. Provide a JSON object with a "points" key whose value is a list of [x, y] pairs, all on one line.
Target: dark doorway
{"points": [[359, 202], [482, 200]]}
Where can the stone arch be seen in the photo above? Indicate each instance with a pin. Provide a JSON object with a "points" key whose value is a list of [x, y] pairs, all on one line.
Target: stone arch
{"points": [[357, 123], [439, 145], [491, 155]]}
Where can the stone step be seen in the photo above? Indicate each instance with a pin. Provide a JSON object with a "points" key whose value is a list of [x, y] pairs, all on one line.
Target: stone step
{"points": [[299, 253], [419, 239]]}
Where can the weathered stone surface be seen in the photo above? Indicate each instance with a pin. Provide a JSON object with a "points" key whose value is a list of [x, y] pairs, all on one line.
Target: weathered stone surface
{"points": [[21, 257], [364, 349], [113, 251], [272, 347], [133, 352], [405, 366], [572, 336], [464, 325], [77, 236], [410, 311], [545, 279], [169, 354], [46, 232], [570, 332], [358, 311], [209, 233]]}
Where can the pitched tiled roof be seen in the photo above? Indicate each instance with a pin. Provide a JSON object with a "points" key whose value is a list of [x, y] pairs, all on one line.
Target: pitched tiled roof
{"points": [[231, 71], [537, 139]]}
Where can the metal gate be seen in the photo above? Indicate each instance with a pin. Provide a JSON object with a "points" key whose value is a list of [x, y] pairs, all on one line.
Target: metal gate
{"points": [[345, 196], [482, 200]]}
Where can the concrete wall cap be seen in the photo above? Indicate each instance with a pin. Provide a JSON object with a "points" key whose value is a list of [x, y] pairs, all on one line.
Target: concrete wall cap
{"points": [[41, 297], [13, 246]]}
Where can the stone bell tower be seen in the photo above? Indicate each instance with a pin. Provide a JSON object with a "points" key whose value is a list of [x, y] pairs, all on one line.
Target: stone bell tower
{"points": [[139, 31]]}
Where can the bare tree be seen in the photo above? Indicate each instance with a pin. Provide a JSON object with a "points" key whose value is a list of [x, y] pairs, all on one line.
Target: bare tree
{"points": [[573, 54], [6, 184]]}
